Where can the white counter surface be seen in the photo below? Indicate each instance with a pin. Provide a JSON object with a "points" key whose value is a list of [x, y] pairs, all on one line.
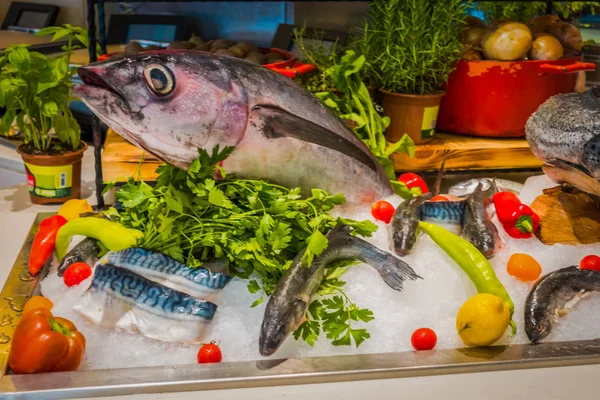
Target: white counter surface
{"points": [[569, 383]]}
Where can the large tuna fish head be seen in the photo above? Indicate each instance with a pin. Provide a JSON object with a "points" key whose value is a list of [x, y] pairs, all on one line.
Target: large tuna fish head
{"points": [[169, 103]]}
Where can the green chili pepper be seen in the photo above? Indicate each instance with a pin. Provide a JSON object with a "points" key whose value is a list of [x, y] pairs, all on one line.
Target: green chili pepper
{"points": [[476, 266], [111, 234]]}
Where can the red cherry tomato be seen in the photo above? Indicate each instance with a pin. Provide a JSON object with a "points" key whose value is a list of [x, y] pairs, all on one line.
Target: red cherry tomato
{"points": [[77, 273], [590, 262], [383, 211], [438, 198], [209, 353], [423, 339]]}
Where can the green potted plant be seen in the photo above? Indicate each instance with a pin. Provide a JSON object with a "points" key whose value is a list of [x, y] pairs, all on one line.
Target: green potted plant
{"points": [[411, 47], [523, 11], [36, 91]]}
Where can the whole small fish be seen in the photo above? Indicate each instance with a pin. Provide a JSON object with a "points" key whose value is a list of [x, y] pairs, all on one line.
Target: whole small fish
{"points": [[548, 297], [288, 304], [405, 224], [197, 282], [118, 298], [448, 214], [170, 103], [465, 188], [478, 228], [86, 251], [564, 133]]}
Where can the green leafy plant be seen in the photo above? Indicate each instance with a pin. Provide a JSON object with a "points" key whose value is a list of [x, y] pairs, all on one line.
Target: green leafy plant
{"points": [[352, 102], [257, 227], [411, 46], [317, 53], [523, 11], [36, 91]]}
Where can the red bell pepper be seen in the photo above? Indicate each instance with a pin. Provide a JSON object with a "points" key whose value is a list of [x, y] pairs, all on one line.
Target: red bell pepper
{"points": [[518, 219], [44, 241], [414, 183]]}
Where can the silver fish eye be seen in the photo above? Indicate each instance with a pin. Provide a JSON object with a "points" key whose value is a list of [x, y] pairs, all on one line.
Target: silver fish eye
{"points": [[159, 78]]}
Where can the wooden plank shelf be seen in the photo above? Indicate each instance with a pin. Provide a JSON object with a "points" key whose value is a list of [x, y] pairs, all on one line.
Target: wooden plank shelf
{"points": [[120, 159]]}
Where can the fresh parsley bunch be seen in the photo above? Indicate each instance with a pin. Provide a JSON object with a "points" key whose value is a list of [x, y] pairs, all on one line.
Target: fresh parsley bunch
{"points": [[257, 227]]}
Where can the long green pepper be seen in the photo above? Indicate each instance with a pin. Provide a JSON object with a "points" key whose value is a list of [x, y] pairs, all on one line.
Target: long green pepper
{"points": [[475, 265], [111, 234]]}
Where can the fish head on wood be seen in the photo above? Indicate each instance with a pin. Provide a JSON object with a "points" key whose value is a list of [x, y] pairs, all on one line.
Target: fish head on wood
{"points": [[169, 103]]}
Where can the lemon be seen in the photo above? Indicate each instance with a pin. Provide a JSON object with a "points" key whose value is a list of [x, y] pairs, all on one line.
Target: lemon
{"points": [[482, 320], [72, 208]]}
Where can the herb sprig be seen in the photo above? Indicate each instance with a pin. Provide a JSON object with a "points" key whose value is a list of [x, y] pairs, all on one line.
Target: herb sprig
{"points": [[257, 227]]}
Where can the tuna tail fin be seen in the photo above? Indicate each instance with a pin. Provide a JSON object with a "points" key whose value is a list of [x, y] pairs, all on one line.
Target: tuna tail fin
{"points": [[392, 270]]}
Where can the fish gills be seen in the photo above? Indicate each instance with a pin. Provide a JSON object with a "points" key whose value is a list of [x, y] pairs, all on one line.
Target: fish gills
{"points": [[118, 298]]}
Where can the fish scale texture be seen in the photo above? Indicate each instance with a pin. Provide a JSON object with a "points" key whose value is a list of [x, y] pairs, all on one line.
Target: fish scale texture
{"points": [[432, 302]]}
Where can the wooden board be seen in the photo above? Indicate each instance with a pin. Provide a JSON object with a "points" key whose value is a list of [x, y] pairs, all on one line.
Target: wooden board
{"points": [[120, 158], [8, 38]]}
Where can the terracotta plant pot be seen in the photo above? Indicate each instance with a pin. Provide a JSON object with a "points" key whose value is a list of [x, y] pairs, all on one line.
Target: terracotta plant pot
{"points": [[415, 115], [53, 179]]}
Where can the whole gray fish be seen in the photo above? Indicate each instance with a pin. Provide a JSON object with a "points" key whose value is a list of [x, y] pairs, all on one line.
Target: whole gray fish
{"points": [[548, 297], [564, 133], [405, 224], [288, 304], [86, 251], [478, 228], [198, 282], [118, 298], [170, 103], [465, 188]]}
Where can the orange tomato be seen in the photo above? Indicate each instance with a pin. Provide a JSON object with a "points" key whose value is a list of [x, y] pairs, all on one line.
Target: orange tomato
{"points": [[37, 302], [523, 267]]}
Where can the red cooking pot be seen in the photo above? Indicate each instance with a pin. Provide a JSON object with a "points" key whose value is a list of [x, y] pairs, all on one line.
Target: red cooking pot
{"points": [[495, 98], [289, 67]]}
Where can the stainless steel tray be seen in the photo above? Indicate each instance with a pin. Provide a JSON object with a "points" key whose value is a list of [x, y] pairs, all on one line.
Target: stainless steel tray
{"points": [[20, 286]]}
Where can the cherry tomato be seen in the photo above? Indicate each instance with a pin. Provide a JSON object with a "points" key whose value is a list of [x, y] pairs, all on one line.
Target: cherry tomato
{"points": [[383, 211], [523, 267], [77, 273], [423, 339], [590, 262], [209, 353], [37, 302], [438, 198]]}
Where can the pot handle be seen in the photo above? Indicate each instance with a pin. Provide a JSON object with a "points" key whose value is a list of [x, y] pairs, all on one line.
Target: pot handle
{"points": [[567, 69]]}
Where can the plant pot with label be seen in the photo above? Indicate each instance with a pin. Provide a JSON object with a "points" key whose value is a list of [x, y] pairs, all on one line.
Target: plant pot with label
{"points": [[36, 94], [53, 178], [414, 115]]}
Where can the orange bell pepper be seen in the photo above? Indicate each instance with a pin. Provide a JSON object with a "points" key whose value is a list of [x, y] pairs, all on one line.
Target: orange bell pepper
{"points": [[45, 343]]}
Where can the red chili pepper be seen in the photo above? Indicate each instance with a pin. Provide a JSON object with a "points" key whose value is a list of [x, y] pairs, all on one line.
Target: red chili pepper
{"points": [[518, 219], [414, 183], [44, 241]]}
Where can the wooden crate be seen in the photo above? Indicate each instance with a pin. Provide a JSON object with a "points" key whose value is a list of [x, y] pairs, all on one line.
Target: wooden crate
{"points": [[120, 159]]}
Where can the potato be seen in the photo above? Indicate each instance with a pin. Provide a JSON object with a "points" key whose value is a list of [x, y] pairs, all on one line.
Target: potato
{"points": [[153, 47], [222, 44], [472, 36], [225, 52], [210, 43], [507, 43], [474, 22], [202, 47], [133, 48], [248, 47], [498, 23], [239, 52], [540, 23], [180, 46], [471, 54], [568, 35], [197, 40], [256, 57], [273, 56], [546, 47]]}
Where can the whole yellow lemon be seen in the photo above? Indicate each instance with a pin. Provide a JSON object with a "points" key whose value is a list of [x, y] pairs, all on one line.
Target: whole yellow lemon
{"points": [[73, 208], [482, 320]]}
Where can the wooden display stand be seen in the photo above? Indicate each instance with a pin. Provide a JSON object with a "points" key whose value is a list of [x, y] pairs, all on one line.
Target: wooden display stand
{"points": [[121, 159]]}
